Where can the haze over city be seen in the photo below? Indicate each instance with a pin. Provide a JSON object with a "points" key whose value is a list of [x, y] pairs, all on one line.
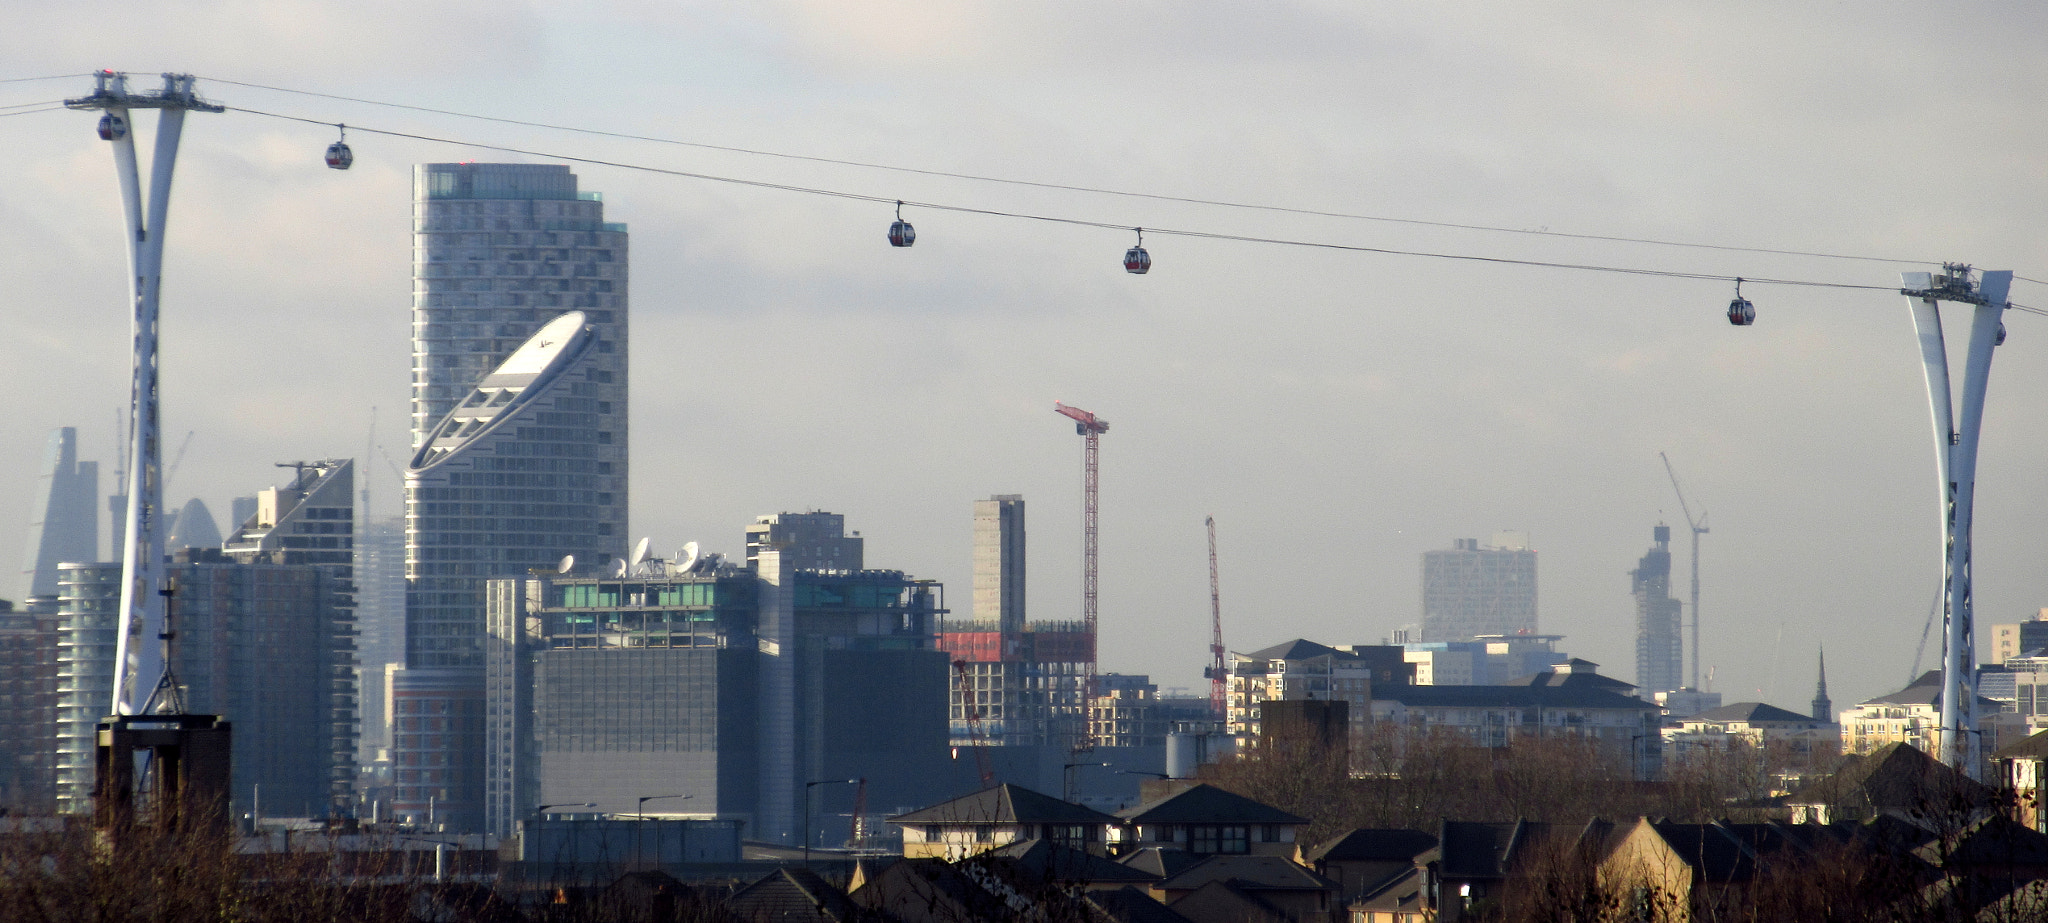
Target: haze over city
{"points": [[1338, 413]]}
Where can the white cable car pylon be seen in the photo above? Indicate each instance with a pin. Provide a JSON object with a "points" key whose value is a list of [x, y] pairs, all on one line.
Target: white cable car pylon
{"points": [[138, 659]]}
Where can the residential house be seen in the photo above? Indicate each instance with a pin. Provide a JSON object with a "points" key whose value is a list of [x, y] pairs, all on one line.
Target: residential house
{"points": [[1206, 820], [1364, 859], [999, 816]]}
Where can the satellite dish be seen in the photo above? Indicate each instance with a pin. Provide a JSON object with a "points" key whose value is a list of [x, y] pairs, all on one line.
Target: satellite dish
{"points": [[686, 558], [566, 564], [619, 567], [640, 551]]}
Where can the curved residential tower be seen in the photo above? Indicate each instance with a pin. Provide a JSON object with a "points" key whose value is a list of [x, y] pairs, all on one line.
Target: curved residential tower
{"points": [[512, 478]]}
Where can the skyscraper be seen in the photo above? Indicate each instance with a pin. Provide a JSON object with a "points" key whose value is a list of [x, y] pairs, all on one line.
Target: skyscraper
{"points": [[1659, 660], [513, 478], [1471, 589], [999, 561], [66, 527]]}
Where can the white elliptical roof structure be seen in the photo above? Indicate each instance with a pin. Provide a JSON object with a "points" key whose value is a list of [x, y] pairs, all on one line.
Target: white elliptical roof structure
{"points": [[497, 399]]}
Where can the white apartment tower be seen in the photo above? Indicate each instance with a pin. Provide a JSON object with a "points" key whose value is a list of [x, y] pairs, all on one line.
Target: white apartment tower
{"points": [[999, 561]]}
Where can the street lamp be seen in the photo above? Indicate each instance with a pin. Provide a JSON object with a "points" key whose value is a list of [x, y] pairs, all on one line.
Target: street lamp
{"points": [[640, 813], [807, 810], [538, 810]]}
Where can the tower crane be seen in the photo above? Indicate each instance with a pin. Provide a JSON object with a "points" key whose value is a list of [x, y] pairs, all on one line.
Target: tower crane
{"points": [[1218, 671], [1090, 428], [1699, 528], [970, 702]]}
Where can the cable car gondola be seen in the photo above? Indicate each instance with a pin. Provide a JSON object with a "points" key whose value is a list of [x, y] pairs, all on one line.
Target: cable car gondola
{"points": [[339, 156], [1136, 260], [901, 234], [113, 127], [1740, 312]]}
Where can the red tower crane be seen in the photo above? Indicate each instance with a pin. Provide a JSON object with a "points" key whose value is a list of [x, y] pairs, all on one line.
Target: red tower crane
{"points": [[1090, 428], [1218, 671]]}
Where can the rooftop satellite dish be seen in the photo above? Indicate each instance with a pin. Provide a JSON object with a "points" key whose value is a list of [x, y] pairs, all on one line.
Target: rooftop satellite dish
{"points": [[619, 567], [686, 558], [566, 564], [640, 551]]}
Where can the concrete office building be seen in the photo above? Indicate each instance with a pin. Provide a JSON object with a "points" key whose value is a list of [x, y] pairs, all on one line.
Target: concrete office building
{"points": [[517, 475], [735, 686], [815, 540], [1659, 655], [1471, 589], [999, 561], [264, 645], [2019, 639], [1017, 683], [66, 527]]}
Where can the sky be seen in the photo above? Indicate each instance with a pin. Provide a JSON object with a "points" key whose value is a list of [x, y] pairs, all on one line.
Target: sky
{"points": [[1338, 412]]}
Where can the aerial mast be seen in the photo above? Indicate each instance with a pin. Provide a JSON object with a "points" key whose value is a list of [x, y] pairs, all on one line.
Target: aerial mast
{"points": [[1090, 428], [1699, 528], [142, 550]]}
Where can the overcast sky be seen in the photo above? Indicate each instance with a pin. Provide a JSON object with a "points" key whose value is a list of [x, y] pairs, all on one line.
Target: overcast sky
{"points": [[1338, 413]]}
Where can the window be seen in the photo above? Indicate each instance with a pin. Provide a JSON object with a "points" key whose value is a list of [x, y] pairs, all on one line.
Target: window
{"points": [[933, 833], [985, 834]]}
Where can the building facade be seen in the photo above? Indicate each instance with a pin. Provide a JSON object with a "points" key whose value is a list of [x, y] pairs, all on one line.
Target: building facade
{"points": [[1016, 682], [816, 540], [1472, 589], [1302, 669], [2020, 639], [516, 476], [999, 561], [735, 686], [28, 710], [1660, 664]]}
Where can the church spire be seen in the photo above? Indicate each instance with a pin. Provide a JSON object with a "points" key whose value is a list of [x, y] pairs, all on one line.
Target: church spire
{"points": [[1823, 709]]}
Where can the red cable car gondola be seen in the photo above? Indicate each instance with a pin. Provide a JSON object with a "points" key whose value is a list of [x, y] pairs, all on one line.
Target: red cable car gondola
{"points": [[338, 155], [1740, 312], [901, 234], [112, 127], [1136, 260]]}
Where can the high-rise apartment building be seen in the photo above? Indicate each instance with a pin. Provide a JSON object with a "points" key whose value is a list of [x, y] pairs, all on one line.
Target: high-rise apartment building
{"points": [[516, 475], [264, 645], [999, 561], [1659, 660], [28, 710], [66, 527], [1471, 589]]}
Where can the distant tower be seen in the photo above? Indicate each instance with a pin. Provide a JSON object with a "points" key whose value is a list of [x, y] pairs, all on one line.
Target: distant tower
{"points": [[66, 527], [999, 561], [1659, 664], [816, 540], [1823, 708], [1471, 589]]}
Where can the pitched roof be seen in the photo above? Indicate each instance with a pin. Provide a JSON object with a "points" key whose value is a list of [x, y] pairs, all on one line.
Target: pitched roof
{"points": [[1368, 844], [2033, 747], [1049, 861], [1004, 804], [1297, 649], [1160, 861], [1248, 873], [1581, 673], [1400, 894], [1219, 902], [1895, 776], [1481, 850], [1130, 905], [1206, 804], [793, 894], [1751, 712]]}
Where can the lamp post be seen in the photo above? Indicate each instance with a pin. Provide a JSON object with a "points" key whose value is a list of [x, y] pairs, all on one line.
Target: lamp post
{"points": [[538, 810], [640, 813], [807, 810]]}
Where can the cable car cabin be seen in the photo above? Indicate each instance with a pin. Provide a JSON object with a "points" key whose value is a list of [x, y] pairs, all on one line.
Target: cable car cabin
{"points": [[112, 127], [1741, 313], [339, 156], [1136, 260], [901, 234]]}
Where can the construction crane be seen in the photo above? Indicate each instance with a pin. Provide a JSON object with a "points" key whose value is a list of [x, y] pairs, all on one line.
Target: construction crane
{"points": [[1217, 670], [857, 835], [970, 702], [1699, 528], [1090, 428]]}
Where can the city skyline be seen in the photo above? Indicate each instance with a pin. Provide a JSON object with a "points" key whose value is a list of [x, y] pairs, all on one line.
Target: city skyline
{"points": [[1338, 415]]}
